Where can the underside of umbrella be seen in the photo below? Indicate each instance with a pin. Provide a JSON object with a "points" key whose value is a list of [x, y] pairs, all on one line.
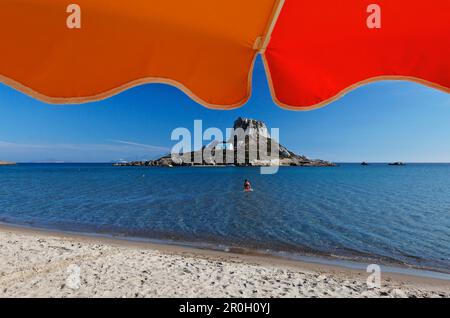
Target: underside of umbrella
{"points": [[313, 51], [322, 49]]}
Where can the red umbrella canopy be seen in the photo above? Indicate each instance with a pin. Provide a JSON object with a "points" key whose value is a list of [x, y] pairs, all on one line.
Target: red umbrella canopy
{"points": [[314, 51], [322, 49]]}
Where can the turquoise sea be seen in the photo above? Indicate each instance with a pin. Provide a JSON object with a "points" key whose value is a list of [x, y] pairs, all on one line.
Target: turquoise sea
{"points": [[379, 213]]}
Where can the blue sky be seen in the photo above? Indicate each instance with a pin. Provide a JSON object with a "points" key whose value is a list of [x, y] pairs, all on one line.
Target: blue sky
{"points": [[380, 122]]}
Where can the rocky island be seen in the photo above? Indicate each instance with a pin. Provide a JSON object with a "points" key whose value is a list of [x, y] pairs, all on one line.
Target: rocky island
{"points": [[239, 151], [397, 164]]}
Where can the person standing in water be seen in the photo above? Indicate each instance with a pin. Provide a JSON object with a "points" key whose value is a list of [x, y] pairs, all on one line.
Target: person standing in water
{"points": [[247, 185]]}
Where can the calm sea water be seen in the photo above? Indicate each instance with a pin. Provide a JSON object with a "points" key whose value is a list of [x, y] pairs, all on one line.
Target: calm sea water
{"points": [[382, 213]]}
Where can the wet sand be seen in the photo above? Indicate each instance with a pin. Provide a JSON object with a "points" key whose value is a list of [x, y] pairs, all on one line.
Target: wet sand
{"points": [[35, 263]]}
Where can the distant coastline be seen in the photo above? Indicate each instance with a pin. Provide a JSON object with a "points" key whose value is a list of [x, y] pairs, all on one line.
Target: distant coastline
{"points": [[125, 163], [7, 163]]}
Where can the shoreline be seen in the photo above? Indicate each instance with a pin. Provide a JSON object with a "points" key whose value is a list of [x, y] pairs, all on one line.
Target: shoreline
{"points": [[34, 264], [207, 250]]}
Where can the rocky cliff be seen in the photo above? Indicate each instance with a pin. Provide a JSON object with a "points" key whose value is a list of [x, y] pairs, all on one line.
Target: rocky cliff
{"points": [[251, 145]]}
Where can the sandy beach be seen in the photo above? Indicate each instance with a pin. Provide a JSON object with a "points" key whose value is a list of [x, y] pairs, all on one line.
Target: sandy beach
{"points": [[45, 264]]}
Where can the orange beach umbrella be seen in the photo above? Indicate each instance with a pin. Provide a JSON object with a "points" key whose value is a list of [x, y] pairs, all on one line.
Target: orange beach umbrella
{"points": [[73, 51]]}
